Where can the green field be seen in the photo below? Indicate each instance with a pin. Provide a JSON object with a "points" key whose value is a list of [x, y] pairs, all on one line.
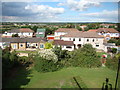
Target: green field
{"points": [[87, 78]]}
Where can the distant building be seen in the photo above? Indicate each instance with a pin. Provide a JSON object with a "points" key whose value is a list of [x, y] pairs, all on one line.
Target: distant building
{"points": [[108, 33], [108, 25], [40, 33], [50, 37], [70, 39], [17, 43], [22, 32]]}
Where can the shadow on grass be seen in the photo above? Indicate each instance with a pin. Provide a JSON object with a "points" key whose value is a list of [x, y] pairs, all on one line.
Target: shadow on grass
{"points": [[17, 77]]}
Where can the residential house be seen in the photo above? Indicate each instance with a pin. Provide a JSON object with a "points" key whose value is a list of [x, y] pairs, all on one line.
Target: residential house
{"points": [[17, 43], [63, 31], [108, 33], [22, 32], [77, 39], [40, 33], [50, 37], [83, 27]]}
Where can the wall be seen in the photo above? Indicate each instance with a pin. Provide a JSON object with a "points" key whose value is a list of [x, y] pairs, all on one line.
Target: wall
{"points": [[13, 45], [23, 47]]}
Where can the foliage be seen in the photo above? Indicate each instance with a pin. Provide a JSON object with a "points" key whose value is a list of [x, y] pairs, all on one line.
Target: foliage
{"points": [[112, 63], [48, 45], [15, 35], [118, 43], [48, 54], [44, 65], [85, 57], [114, 50], [61, 54], [112, 41]]}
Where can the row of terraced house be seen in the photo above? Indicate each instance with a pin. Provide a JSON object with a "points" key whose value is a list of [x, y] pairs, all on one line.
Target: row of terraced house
{"points": [[68, 38]]}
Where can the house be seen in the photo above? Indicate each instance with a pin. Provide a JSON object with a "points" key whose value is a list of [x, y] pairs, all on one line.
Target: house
{"points": [[108, 33], [63, 31], [40, 33], [83, 27], [17, 43], [50, 37], [66, 45], [78, 38], [22, 32]]}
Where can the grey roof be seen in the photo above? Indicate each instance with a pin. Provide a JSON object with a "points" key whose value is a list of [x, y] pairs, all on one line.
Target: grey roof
{"points": [[22, 40]]}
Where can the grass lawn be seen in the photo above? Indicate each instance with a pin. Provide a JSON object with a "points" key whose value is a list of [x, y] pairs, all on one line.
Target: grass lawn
{"points": [[90, 78]]}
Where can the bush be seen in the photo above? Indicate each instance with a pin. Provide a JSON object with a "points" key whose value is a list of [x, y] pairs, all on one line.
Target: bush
{"points": [[112, 63], [112, 41], [114, 50], [43, 65], [85, 57]]}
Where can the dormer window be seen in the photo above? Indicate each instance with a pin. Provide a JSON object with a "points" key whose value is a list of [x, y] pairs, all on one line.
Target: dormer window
{"points": [[79, 39]]}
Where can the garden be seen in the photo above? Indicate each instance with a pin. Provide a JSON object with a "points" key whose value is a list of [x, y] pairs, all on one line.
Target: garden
{"points": [[56, 68]]}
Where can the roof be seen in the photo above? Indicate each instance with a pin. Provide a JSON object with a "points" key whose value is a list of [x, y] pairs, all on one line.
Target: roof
{"points": [[61, 42], [41, 30], [66, 30], [110, 30], [107, 24], [22, 40], [81, 34], [20, 30], [92, 30]]}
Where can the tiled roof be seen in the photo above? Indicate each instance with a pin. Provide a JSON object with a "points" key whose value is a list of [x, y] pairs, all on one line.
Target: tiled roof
{"points": [[92, 30], [66, 30], [20, 30], [61, 42], [22, 40], [83, 35], [110, 30]]}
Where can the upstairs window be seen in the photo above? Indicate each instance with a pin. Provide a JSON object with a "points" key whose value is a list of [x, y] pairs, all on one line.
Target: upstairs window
{"points": [[79, 39], [21, 45], [93, 40], [73, 39], [87, 40]]}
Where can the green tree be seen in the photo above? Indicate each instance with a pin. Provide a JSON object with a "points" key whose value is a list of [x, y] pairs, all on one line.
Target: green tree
{"points": [[85, 57], [118, 43], [15, 35], [43, 65], [48, 45], [112, 41]]}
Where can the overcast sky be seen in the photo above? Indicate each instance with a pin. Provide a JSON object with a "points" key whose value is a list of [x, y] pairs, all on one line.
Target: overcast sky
{"points": [[60, 11]]}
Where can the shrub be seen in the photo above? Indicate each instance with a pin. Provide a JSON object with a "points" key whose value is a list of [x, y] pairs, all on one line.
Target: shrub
{"points": [[112, 63], [114, 50], [85, 57], [43, 65]]}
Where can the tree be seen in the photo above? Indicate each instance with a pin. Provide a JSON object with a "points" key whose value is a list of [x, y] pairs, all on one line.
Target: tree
{"points": [[118, 43], [85, 57], [112, 41], [114, 50], [48, 45], [43, 65]]}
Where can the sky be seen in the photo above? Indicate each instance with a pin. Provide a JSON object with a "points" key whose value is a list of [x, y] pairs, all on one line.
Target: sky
{"points": [[59, 11]]}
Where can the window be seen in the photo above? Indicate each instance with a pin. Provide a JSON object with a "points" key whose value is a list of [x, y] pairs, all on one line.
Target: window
{"points": [[68, 47], [93, 40], [87, 40], [36, 44], [79, 39], [15, 46], [41, 46], [21, 45], [73, 39], [97, 45]]}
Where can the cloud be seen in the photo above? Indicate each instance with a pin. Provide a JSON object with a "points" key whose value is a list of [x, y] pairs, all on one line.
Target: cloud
{"points": [[79, 5], [105, 15], [14, 11]]}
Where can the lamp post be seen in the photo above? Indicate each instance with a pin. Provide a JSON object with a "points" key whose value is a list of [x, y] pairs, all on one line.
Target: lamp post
{"points": [[117, 74]]}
